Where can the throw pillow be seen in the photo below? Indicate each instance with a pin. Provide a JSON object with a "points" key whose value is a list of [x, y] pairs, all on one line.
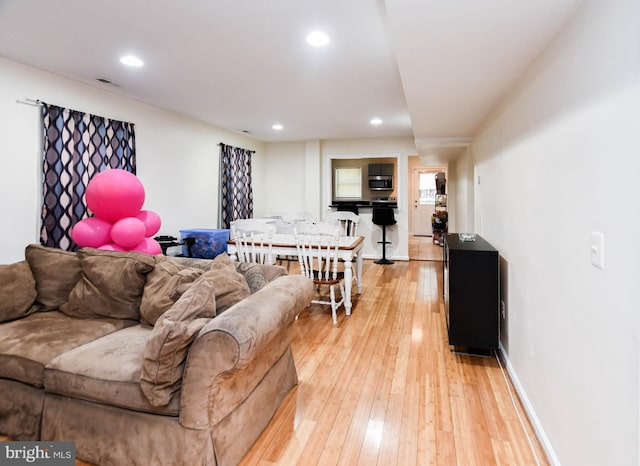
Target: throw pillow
{"points": [[252, 274], [160, 289], [56, 273], [18, 291], [274, 271], [191, 262], [230, 286], [166, 349], [111, 285]]}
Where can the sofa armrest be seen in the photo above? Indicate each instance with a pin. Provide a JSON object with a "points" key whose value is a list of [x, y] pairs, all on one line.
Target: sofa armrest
{"points": [[234, 351]]}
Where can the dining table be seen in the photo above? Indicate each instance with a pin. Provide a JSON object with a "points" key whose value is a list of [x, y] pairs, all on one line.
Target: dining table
{"points": [[350, 248]]}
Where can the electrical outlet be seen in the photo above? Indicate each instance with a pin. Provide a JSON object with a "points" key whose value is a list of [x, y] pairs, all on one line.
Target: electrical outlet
{"points": [[503, 309]]}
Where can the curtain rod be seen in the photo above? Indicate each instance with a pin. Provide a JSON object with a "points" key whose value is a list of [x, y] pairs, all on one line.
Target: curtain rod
{"points": [[32, 102]]}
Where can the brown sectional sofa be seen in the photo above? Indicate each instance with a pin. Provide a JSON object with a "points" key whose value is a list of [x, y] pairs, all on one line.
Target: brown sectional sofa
{"points": [[145, 360]]}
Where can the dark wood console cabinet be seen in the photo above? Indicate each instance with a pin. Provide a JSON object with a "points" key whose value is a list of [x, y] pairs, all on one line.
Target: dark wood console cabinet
{"points": [[471, 293]]}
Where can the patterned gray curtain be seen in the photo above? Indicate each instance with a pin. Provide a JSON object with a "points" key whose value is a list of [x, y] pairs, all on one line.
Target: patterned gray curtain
{"points": [[236, 195], [77, 146]]}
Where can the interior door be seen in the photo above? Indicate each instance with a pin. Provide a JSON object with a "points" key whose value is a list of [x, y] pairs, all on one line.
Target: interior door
{"points": [[424, 200]]}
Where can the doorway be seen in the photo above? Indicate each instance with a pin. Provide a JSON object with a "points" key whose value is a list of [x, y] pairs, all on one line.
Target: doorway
{"points": [[423, 199], [422, 196]]}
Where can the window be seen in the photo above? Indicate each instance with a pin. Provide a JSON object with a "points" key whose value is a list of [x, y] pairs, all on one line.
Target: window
{"points": [[427, 188], [348, 183]]}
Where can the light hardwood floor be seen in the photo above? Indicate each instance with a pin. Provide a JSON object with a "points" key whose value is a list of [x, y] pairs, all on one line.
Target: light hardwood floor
{"points": [[383, 388], [422, 248]]}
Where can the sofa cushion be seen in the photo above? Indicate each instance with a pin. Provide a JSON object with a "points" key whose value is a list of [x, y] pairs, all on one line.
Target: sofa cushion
{"points": [[191, 262], [252, 274], [160, 288], [26, 345], [17, 291], [166, 349], [271, 272], [111, 284], [56, 273], [230, 286], [115, 380]]}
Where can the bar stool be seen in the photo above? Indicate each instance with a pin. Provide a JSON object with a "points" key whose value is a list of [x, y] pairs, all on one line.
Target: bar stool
{"points": [[383, 216]]}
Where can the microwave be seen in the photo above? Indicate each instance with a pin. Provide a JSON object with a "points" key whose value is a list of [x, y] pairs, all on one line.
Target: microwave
{"points": [[381, 183]]}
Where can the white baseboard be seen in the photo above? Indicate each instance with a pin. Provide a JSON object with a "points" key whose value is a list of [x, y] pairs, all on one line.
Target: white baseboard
{"points": [[528, 407]]}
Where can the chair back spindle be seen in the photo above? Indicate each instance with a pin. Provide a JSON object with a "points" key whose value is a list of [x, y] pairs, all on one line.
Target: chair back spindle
{"points": [[348, 221], [254, 240]]}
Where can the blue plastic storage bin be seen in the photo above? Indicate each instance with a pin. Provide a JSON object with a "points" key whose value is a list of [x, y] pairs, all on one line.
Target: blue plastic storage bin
{"points": [[208, 242]]}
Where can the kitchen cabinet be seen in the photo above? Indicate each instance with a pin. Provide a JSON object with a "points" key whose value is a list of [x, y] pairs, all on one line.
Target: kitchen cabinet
{"points": [[471, 293], [381, 169]]}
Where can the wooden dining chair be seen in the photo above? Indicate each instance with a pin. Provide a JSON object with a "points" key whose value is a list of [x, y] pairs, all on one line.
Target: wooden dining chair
{"points": [[317, 246], [348, 221], [254, 240], [289, 222]]}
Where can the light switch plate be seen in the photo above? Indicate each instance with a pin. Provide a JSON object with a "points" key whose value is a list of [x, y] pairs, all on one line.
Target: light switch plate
{"points": [[597, 249]]}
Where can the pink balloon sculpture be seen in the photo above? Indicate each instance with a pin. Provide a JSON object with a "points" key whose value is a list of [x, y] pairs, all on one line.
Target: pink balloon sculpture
{"points": [[91, 232], [112, 247], [116, 196], [128, 232], [148, 246], [151, 222]]}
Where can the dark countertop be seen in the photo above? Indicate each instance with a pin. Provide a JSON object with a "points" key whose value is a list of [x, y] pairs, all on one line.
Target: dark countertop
{"points": [[360, 202], [362, 205]]}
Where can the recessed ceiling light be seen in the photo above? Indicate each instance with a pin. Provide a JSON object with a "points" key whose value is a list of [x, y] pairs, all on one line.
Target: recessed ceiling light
{"points": [[131, 60], [376, 121], [317, 39], [277, 127]]}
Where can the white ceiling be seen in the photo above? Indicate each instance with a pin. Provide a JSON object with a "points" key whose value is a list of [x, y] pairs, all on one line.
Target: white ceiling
{"points": [[430, 69]]}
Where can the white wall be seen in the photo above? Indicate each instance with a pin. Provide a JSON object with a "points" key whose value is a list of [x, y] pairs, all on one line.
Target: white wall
{"points": [[285, 178], [177, 157], [560, 159], [461, 192]]}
